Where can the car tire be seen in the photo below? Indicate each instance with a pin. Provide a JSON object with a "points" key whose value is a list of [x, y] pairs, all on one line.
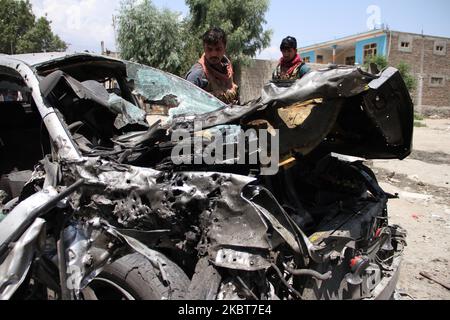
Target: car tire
{"points": [[205, 283], [135, 277]]}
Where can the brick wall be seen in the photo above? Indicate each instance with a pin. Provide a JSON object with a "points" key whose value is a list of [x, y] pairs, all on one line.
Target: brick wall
{"points": [[434, 65], [252, 79]]}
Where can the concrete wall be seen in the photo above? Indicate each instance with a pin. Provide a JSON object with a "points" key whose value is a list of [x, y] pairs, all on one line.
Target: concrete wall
{"points": [[252, 79], [327, 55], [340, 56]]}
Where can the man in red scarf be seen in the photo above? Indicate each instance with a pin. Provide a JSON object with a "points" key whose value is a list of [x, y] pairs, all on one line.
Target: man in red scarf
{"points": [[291, 66], [214, 71]]}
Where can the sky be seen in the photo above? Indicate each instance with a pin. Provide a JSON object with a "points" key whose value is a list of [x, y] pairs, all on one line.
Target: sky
{"points": [[85, 23]]}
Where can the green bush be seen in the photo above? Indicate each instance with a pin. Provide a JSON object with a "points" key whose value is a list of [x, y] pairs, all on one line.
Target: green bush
{"points": [[380, 61], [403, 68], [410, 80]]}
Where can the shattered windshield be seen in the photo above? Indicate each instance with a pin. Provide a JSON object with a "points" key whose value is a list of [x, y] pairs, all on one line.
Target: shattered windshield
{"points": [[105, 107], [164, 94]]}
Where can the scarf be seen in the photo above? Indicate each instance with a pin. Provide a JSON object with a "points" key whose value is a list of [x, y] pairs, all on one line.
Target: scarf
{"points": [[288, 67], [225, 80]]}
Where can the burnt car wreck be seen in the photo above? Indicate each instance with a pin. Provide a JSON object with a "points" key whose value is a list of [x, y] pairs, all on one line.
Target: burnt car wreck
{"points": [[93, 205]]}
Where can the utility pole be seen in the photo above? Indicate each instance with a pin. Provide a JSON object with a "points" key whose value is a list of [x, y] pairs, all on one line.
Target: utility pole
{"points": [[115, 33], [421, 75]]}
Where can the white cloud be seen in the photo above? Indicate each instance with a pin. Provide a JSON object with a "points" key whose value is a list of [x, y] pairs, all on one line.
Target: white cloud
{"points": [[81, 23], [271, 53]]}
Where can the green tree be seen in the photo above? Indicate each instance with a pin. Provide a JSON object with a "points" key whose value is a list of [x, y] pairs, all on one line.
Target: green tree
{"points": [[380, 61], [21, 33], [243, 21], [151, 36], [16, 18], [405, 71], [40, 38]]}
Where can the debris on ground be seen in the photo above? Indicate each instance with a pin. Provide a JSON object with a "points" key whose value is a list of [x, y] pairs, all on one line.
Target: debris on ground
{"points": [[435, 279]]}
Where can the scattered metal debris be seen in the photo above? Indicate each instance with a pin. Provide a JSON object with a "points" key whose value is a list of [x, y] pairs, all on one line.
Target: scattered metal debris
{"points": [[435, 279]]}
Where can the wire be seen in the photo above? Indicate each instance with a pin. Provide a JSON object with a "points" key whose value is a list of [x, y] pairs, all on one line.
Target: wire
{"points": [[298, 294], [383, 262], [247, 288], [41, 139]]}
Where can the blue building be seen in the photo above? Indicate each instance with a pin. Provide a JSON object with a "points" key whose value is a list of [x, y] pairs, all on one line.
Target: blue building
{"points": [[428, 58], [350, 50]]}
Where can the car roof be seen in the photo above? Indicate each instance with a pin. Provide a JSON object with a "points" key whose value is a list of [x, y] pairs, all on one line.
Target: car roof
{"points": [[36, 59]]}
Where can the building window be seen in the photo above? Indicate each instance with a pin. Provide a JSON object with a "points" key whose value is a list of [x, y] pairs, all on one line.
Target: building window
{"points": [[437, 81], [405, 43], [307, 59], [350, 61], [319, 59], [370, 50], [440, 48]]}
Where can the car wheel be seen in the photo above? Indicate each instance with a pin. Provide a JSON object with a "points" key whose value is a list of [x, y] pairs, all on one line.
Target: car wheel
{"points": [[205, 283], [133, 277]]}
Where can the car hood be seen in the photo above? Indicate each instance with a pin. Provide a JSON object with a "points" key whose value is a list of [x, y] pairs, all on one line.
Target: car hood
{"points": [[338, 109]]}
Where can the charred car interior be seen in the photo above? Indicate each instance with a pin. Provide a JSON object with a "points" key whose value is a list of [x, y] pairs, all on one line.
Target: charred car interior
{"points": [[93, 205]]}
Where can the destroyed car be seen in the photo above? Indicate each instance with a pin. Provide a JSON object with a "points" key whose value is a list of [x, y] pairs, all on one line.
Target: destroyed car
{"points": [[97, 205]]}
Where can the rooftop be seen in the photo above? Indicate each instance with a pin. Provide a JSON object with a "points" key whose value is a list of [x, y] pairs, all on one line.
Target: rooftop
{"points": [[359, 36]]}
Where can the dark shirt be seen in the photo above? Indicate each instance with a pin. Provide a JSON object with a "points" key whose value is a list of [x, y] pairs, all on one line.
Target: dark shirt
{"points": [[197, 76]]}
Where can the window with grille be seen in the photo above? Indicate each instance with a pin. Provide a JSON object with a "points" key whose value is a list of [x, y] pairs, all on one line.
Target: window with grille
{"points": [[370, 50]]}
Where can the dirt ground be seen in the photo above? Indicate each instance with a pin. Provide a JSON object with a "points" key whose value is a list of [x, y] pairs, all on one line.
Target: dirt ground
{"points": [[423, 184]]}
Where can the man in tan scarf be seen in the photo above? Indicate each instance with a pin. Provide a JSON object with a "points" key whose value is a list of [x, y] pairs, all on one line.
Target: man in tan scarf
{"points": [[214, 71]]}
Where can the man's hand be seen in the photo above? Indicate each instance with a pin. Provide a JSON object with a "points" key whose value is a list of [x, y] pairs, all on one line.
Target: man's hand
{"points": [[229, 95]]}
